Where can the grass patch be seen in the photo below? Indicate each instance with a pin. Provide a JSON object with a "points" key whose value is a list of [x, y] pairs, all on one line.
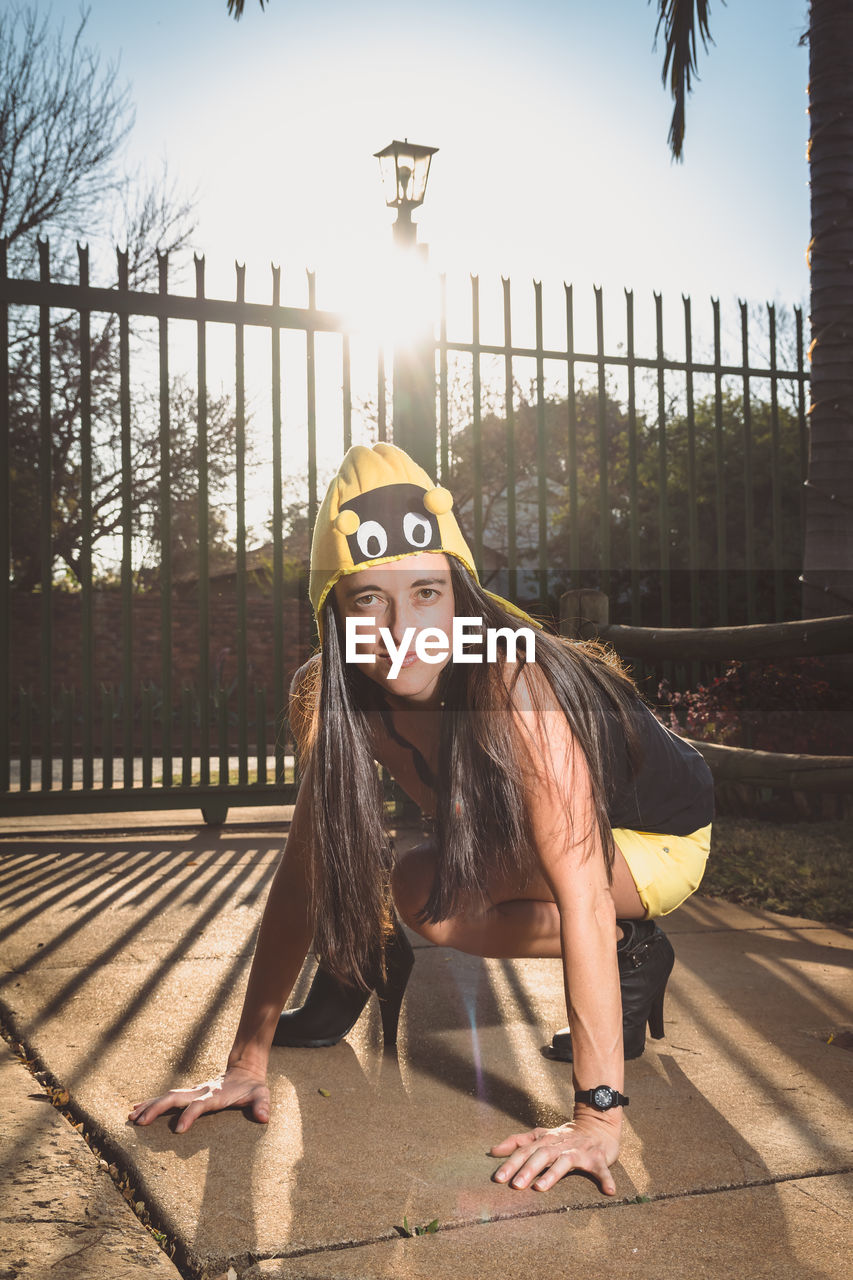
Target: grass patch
{"points": [[233, 779], [796, 868]]}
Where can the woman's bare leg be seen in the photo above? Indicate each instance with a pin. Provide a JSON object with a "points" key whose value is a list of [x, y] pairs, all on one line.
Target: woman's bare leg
{"points": [[522, 921]]}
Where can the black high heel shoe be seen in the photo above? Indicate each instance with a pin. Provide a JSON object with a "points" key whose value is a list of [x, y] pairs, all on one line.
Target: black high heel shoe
{"points": [[332, 1008], [646, 958]]}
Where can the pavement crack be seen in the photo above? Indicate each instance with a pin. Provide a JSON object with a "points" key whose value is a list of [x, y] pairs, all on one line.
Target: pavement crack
{"points": [[810, 1195], [30, 1219], [339, 1246], [128, 1184]]}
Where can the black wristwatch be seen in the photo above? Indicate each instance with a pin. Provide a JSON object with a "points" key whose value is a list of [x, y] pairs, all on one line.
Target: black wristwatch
{"points": [[602, 1098]]}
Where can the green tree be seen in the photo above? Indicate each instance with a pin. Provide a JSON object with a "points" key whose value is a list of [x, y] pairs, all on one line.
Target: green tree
{"points": [[719, 523], [491, 482], [583, 534]]}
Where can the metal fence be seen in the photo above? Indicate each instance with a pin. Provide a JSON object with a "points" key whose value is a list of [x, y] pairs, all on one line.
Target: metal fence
{"points": [[673, 483], [666, 497]]}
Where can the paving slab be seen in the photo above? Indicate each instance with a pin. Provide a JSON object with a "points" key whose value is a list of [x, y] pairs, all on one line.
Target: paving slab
{"points": [[138, 981], [715, 915], [150, 820], [60, 1213], [132, 898], [790, 1231]]}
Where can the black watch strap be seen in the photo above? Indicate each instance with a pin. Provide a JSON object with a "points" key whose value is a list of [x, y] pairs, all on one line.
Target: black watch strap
{"points": [[602, 1097]]}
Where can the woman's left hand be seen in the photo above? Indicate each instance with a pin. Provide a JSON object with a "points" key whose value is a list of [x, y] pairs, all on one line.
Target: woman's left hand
{"points": [[543, 1156]]}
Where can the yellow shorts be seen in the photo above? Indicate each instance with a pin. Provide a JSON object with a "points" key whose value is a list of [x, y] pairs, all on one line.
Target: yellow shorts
{"points": [[666, 869]]}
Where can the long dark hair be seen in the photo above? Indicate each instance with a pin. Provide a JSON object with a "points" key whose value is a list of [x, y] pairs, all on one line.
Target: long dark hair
{"points": [[481, 821], [351, 855]]}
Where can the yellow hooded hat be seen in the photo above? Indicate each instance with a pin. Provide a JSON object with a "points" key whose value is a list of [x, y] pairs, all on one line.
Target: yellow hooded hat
{"points": [[381, 506]]}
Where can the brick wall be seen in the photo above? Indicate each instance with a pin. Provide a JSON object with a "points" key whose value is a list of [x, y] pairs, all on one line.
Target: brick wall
{"points": [[146, 616]]}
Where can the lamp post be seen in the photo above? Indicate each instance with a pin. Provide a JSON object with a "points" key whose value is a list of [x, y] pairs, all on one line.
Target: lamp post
{"points": [[404, 167]]}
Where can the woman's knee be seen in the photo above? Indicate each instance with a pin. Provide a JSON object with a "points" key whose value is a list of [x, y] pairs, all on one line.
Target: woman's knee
{"points": [[411, 883]]}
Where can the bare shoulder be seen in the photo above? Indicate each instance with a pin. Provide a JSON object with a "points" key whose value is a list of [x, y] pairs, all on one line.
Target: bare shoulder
{"points": [[304, 693], [307, 674], [544, 739], [528, 690]]}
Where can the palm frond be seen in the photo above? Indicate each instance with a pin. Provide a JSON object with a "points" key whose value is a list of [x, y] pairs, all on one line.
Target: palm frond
{"points": [[235, 7], [681, 19]]}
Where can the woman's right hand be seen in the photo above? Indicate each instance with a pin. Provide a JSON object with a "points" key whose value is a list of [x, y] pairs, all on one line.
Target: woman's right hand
{"points": [[236, 1087]]}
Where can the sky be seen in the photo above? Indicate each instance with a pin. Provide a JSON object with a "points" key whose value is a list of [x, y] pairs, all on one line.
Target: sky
{"points": [[551, 125], [550, 119]]}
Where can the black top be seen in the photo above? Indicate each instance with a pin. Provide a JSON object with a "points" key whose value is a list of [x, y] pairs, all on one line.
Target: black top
{"points": [[672, 791]]}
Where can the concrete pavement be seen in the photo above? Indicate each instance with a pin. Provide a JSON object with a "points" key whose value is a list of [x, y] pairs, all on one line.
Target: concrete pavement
{"points": [[124, 945]]}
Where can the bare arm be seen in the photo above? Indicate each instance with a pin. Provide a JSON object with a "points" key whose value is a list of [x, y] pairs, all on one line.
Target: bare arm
{"points": [[285, 933], [283, 941], [569, 852]]}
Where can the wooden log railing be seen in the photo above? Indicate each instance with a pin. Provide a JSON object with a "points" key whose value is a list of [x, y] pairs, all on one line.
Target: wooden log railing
{"points": [[584, 615], [776, 768]]}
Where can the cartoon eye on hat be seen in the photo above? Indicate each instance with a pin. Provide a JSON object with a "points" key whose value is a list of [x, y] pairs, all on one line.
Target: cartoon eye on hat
{"points": [[393, 520]]}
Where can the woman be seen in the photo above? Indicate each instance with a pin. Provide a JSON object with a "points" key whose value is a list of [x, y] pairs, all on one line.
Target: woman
{"points": [[565, 816]]}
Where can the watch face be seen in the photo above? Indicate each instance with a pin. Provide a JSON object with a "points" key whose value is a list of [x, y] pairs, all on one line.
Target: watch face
{"points": [[603, 1098]]}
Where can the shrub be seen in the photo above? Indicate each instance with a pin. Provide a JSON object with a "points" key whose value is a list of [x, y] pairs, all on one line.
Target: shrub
{"points": [[786, 706]]}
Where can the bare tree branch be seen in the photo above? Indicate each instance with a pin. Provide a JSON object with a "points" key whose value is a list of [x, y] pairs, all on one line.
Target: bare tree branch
{"points": [[63, 121]]}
